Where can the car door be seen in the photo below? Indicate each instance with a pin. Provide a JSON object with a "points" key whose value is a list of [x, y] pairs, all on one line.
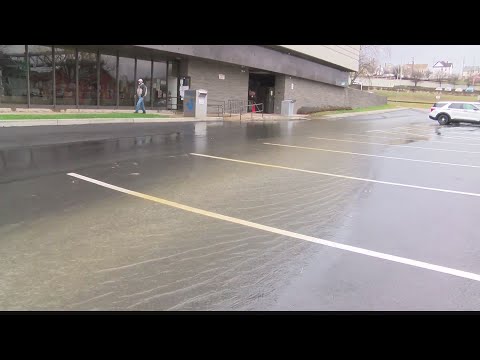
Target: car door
{"points": [[472, 113], [456, 112]]}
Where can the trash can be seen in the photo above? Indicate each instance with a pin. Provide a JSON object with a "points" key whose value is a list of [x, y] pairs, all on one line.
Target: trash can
{"points": [[195, 103], [287, 107]]}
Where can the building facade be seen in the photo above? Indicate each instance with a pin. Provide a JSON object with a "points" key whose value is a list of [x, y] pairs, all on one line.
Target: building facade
{"points": [[104, 76], [443, 67]]}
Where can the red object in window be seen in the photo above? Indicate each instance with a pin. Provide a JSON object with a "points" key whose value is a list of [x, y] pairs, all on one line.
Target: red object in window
{"points": [[253, 108]]}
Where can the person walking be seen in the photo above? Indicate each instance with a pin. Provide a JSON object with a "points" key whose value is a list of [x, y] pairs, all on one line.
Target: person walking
{"points": [[141, 93]]}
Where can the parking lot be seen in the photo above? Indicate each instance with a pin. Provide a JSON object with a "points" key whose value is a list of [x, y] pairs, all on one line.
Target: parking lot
{"points": [[371, 212]]}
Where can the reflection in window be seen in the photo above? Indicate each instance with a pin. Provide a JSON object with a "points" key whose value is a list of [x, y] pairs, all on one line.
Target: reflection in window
{"points": [[144, 69], [108, 73], [159, 88], [41, 75], [13, 74], [87, 78], [65, 76], [172, 85], [126, 73]]}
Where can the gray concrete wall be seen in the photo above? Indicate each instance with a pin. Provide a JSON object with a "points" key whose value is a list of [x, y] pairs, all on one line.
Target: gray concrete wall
{"points": [[310, 94], [204, 75], [358, 98], [315, 96], [279, 92]]}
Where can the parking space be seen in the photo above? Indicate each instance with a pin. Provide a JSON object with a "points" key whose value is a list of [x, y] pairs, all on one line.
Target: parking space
{"points": [[363, 213]]}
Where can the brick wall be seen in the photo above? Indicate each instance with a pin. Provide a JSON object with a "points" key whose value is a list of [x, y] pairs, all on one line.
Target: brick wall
{"points": [[204, 75]]}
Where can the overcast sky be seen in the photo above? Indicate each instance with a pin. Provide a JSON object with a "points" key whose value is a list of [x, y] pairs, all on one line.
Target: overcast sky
{"points": [[429, 54]]}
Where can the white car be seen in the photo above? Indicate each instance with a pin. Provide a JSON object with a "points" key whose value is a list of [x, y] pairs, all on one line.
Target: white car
{"points": [[458, 90], [448, 89], [439, 89], [446, 112]]}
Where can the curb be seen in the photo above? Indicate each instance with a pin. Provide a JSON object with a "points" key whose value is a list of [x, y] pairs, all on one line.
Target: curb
{"points": [[66, 122]]}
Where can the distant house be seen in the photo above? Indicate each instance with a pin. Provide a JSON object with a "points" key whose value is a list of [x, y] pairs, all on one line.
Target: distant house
{"points": [[383, 71], [420, 68], [443, 67], [469, 71], [379, 71]]}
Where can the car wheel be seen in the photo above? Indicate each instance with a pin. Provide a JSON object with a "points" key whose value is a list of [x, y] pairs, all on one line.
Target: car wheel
{"points": [[443, 119]]}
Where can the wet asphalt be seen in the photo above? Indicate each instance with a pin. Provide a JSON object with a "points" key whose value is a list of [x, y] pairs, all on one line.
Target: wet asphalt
{"points": [[68, 244]]}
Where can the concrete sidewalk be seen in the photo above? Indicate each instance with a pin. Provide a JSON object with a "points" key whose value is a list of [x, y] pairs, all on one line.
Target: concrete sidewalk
{"points": [[53, 122]]}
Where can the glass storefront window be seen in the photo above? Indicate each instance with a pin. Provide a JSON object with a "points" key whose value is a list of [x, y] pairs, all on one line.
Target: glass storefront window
{"points": [[108, 85], [13, 74], [159, 84], [144, 72], [41, 75], [65, 76], [87, 78], [127, 81]]}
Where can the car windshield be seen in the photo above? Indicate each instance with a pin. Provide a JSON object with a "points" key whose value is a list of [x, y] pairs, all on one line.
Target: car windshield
{"points": [[440, 104]]}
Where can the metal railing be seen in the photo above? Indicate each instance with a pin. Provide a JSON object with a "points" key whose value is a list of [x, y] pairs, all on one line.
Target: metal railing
{"points": [[174, 105], [235, 106], [254, 108], [219, 106]]}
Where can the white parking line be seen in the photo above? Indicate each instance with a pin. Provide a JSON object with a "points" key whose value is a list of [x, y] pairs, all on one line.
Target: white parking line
{"points": [[431, 126], [410, 133], [338, 175], [399, 133], [291, 234], [371, 155], [405, 138], [401, 145], [447, 130], [411, 128], [434, 125]]}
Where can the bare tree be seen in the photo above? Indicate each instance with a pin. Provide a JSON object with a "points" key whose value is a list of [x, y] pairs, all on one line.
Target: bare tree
{"points": [[427, 74], [440, 77], [454, 79], [469, 80], [397, 71], [370, 59], [416, 77]]}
